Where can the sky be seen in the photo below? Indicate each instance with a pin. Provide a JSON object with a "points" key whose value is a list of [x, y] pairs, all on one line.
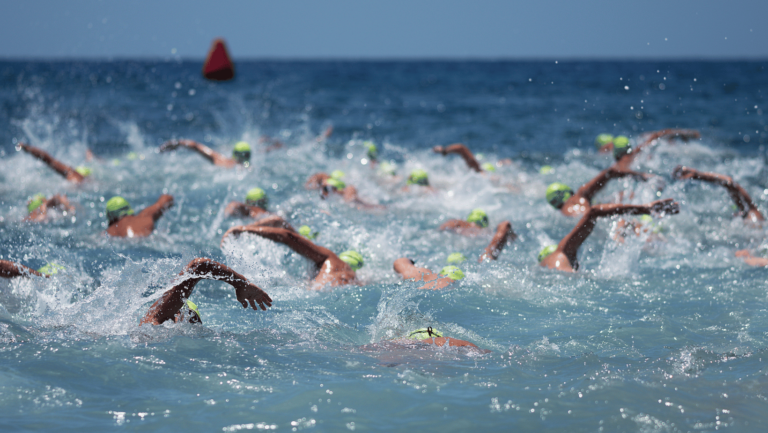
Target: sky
{"points": [[411, 29]]}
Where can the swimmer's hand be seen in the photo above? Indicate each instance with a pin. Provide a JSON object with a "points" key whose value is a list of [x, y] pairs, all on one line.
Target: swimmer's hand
{"points": [[251, 293], [439, 149], [169, 146], [666, 206], [681, 173]]}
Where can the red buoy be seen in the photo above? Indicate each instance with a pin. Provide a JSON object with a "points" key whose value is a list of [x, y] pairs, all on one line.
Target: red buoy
{"points": [[218, 66]]}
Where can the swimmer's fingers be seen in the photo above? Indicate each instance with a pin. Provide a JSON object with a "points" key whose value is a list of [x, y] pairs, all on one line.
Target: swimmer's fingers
{"points": [[168, 146], [253, 295], [438, 149]]}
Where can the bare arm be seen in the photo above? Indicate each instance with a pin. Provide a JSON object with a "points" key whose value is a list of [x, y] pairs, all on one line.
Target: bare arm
{"points": [[68, 172], [172, 301], [10, 269], [750, 259], [461, 150], [316, 181], [589, 189], [58, 201], [158, 209], [406, 268], [650, 139], [570, 244], [239, 209], [291, 239], [503, 235], [211, 155], [739, 195]]}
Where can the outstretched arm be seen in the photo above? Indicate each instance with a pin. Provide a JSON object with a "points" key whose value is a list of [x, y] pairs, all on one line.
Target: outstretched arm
{"points": [[211, 155], [739, 195], [503, 235], [158, 209], [570, 244], [461, 150], [651, 139], [409, 271], [172, 300], [291, 239], [316, 181], [589, 189], [68, 172], [58, 201], [238, 209], [10, 269]]}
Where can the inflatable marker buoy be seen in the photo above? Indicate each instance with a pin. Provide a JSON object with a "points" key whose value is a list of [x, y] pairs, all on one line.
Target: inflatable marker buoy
{"points": [[218, 66]]}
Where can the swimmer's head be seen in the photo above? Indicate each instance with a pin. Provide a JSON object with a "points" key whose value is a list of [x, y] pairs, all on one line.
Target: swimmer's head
{"points": [[35, 203], [51, 269], [546, 251], [353, 259], [387, 168], [424, 333], [487, 166], [194, 312], [455, 259], [452, 272], [242, 152], [306, 231], [547, 169], [479, 217], [335, 183], [84, 171], [621, 147], [257, 197], [372, 150], [338, 174], [418, 177], [603, 140], [558, 193], [648, 221], [118, 207]]}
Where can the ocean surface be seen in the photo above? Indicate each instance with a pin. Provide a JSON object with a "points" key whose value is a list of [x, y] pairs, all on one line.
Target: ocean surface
{"points": [[662, 333]]}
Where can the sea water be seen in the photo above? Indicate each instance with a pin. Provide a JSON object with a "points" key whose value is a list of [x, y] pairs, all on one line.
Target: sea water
{"points": [[663, 332]]}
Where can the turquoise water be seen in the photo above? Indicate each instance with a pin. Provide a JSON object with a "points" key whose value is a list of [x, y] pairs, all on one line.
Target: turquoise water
{"points": [[666, 335]]}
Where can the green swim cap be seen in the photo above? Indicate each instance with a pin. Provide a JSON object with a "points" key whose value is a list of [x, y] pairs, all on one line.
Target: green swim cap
{"points": [[51, 269], [387, 167], [118, 207], [132, 155], [479, 217], [418, 177], [487, 166], [336, 183], [373, 152], [35, 203], [452, 272], [257, 197], [648, 220], [603, 140], [307, 232], [193, 307], [242, 152], [84, 171], [621, 147], [645, 219], [338, 174], [352, 258], [547, 169], [424, 333], [455, 259], [546, 251], [558, 193]]}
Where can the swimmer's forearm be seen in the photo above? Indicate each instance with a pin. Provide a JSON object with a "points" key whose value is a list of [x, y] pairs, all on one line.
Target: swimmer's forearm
{"points": [[42, 155], [589, 189], [466, 154], [289, 238], [158, 209], [10, 269], [503, 235]]}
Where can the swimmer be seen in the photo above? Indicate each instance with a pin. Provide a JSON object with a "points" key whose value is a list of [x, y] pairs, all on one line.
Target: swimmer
{"points": [[123, 223], [750, 259], [563, 256], [562, 197], [39, 206], [418, 177], [256, 202], [172, 302], [746, 207], [435, 281], [10, 269], [333, 184], [332, 270], [240, 155], [625, 154], [433, 336], [372, 152], [74, 175]]}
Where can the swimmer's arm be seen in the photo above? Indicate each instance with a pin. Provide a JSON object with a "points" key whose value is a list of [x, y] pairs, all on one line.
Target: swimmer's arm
{"points": [[324, 136], [291, 239], [405, 267], [570, 244], [211, 155], [458, 225], [685, 134], [10, 269], [750, 259], [158, 209], [236, 208], [316, 181], [620, 170], [589, 189], [58, 201], [68, 172], [172, 300], [461, 150], [452, 342], [504, 234], [740, 197]]}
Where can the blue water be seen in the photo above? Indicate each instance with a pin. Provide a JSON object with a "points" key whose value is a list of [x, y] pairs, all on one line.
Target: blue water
{"points": [[667, 335]]}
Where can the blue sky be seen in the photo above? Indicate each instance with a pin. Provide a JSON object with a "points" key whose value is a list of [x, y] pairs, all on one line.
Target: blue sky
{"points": [[391, 29]]}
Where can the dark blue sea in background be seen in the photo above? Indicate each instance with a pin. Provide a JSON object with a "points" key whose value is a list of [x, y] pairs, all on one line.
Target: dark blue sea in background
{"points": [[660, 336]]}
